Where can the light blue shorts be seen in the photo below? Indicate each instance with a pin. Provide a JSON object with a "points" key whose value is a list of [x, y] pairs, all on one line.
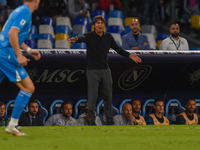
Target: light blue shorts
{"points": [[10, 68]]}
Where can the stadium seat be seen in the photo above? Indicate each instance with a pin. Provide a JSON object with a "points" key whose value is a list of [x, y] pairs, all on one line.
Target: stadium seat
{"points": [[34, 31], [46, 36], [197, 111], [9, 108], [62, 44], [128, 20], [63, 29], [31, 37], [195, 21], [41, 111], [195, 49], [31, 44], [79, 29], [115, 22], [44, 44], [78, 46], [79, 107], [147, 108], [115, 29], [127, 29], [173, 108], [122, 103], [46, 29], [101, 113], [159, 43], [152, 40], [64, 21], [117, 37], [62, 36], [55, 107], [82, 21], [162, 36], [48, 21], [116, 14], [151, 29], [100, 12]]}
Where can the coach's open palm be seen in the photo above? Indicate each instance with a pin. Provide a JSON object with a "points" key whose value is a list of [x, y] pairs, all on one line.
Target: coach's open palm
{"points": [[135, 58]]}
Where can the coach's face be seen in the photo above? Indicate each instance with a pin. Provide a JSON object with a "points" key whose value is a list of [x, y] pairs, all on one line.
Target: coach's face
{"points": [[2, 110], [99, 26], [67, 110]]}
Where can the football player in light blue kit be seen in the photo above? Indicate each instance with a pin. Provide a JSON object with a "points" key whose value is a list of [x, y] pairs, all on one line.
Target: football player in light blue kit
{"points": [[12, 61]]}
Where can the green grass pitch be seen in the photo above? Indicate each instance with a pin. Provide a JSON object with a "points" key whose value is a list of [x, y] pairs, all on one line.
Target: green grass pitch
{"points": [[171, 137]]}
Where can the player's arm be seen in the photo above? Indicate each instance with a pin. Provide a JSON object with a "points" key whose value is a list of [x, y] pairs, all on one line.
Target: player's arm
{"points": [[33, 53], [14, 41]]}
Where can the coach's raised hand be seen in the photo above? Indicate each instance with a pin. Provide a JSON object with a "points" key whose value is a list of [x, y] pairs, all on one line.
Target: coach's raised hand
{"points": [[74, 39]]}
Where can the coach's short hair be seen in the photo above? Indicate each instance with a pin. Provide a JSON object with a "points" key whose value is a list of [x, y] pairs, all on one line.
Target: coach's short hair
{"points": [[64, 103], [2, 103], [99, 17]]}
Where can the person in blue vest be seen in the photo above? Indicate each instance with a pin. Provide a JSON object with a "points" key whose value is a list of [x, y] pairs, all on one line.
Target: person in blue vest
{"points": [[135, 40], [12, 37]]}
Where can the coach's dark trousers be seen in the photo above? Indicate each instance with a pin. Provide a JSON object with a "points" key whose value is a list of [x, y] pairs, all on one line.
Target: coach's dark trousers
{"points": [[99, 80]]}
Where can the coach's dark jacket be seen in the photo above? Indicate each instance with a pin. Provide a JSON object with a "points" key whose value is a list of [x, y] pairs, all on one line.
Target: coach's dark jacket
{"points": [[25, 120]]}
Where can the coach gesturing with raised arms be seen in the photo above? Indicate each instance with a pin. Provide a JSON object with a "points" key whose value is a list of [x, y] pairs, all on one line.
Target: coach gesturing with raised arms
{"points": [[98, 72]]}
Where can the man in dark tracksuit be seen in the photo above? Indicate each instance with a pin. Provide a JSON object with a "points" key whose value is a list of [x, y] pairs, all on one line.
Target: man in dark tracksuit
{"points": [[98, 72]]}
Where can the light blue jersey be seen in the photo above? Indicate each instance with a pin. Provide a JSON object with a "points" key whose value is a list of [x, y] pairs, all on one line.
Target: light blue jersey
{"points": [[20, 18]]}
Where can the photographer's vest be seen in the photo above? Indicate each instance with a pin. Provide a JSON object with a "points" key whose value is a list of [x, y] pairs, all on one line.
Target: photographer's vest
{"points": [[141, 121], [188, 121], [156, 122]]}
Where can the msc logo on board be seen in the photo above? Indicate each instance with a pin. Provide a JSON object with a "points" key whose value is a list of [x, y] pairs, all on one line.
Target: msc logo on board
{"points": [[133, 77], [55, 76]]}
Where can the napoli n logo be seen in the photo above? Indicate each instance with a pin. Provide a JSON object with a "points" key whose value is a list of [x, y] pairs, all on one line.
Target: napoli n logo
{"points": [[133, 77]]}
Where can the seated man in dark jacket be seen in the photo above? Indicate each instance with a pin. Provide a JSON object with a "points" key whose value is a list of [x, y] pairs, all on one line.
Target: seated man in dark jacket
{"points": [[31, 118], [135, 40]]}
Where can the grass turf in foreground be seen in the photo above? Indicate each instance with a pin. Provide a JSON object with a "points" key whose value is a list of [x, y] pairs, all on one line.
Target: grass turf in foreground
{"points": [[104, 137]]}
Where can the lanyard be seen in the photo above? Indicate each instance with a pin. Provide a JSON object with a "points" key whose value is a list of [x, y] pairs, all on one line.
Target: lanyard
{"points": [[175, 43]]}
